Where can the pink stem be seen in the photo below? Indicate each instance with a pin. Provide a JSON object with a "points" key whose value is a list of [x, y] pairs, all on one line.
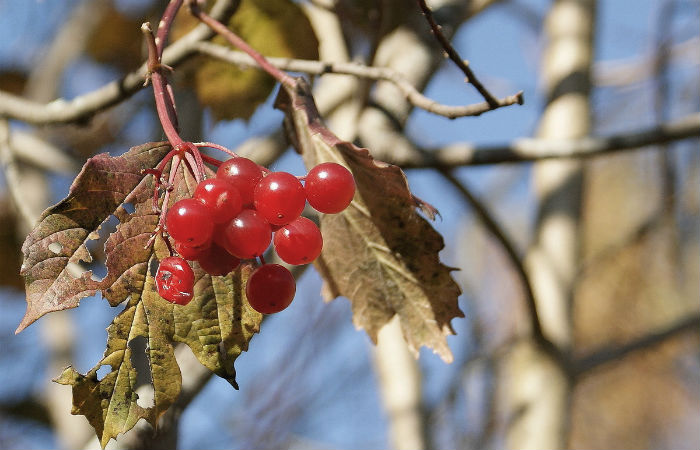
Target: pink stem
{"points": [[164, 100], [217, 147], [213, 161], [164, 25], [242, 45]]}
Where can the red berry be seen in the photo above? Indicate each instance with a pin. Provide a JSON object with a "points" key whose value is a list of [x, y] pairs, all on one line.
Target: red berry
{"points": [[175, 280], [329, 187], [189, 222], [298, 242], [270, 288], [221, 197], [248, 235], [190, 253], [217, 261], [280, 198], [242, 173]]}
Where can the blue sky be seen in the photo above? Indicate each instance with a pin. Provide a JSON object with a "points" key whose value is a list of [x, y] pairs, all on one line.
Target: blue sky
{"points": [[503, 51]]}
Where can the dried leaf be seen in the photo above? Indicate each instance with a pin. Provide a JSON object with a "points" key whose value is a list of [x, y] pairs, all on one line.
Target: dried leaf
{"points": [[379, 252], [272, 27], [116, 39], [217, 324]]}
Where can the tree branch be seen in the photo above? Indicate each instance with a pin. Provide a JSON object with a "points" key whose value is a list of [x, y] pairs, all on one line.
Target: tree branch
{"points": [[362, 71], [83, 107], [454, 56], [607, 354], [499, 234], [533, 149]]}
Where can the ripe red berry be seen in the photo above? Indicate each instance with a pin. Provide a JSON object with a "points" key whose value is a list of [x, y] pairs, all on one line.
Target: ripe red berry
{"points": [[189, 222], [217, 261], [190, 253], [248, 235], [270, 288], [243, 174], [175, 280], [279, 197], [298, 242], [329, 187], [221, 197]]}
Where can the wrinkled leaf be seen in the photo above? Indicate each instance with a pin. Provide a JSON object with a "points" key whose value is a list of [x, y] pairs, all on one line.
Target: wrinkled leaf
{"points": [[379, 252], [272, 27], [217, 324]]}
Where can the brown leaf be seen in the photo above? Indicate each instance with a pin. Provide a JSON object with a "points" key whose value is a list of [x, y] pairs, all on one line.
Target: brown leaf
{"points": [[117, 40], [217, 324], [272, 27], [379, 252]]}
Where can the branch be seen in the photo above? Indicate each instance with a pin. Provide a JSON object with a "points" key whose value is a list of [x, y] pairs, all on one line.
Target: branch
{"points": [[362, 71], [499, 234], [454, 56], [609, 353], [530, 149], [83, 107]]}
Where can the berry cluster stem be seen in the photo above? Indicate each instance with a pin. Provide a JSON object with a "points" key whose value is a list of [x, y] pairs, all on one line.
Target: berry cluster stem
{"points": [[235, 40]]}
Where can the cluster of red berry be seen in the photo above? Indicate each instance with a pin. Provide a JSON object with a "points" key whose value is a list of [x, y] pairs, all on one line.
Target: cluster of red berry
{"points": [[236, 215]]}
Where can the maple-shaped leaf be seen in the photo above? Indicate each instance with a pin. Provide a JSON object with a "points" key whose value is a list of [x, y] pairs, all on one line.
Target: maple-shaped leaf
{"points": [[217, 324], [379, 253]]}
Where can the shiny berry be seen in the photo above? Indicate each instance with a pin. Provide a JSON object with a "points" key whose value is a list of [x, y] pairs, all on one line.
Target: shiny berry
{"points": [[298, 242], [175, 280], [329, 187], [242, 173], [221, 197], [279, 197], [189, 222], [270, 288], [190, 253], [217, 261], [248, 235]]}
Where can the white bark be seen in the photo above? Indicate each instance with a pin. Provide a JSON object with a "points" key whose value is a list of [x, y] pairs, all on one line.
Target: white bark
{"points": [[538, 387]]}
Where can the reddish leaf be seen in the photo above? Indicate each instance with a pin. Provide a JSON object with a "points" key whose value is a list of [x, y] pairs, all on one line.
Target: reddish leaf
{"points": [[379, 252], [217, 324]]}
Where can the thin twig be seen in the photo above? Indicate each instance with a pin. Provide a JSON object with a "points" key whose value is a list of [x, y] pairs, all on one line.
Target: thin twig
{"points": [[530, 149], [164, 25], [83, 107], [607, 354], [499, 234], [454, 56], [239, 43], [360, 70]]}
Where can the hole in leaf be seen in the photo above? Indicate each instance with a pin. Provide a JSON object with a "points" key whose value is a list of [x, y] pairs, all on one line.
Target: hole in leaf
{"points": [[128, 207], [139, 360], [75, 270], [96, 247], [103, 371], [56, 247]]}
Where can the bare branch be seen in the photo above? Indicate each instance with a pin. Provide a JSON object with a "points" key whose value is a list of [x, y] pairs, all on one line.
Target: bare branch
{"points": [[83, 107], [454, 56], [607, 354], [497, 231], [31, 149], [359, 70], [531, 149]]}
